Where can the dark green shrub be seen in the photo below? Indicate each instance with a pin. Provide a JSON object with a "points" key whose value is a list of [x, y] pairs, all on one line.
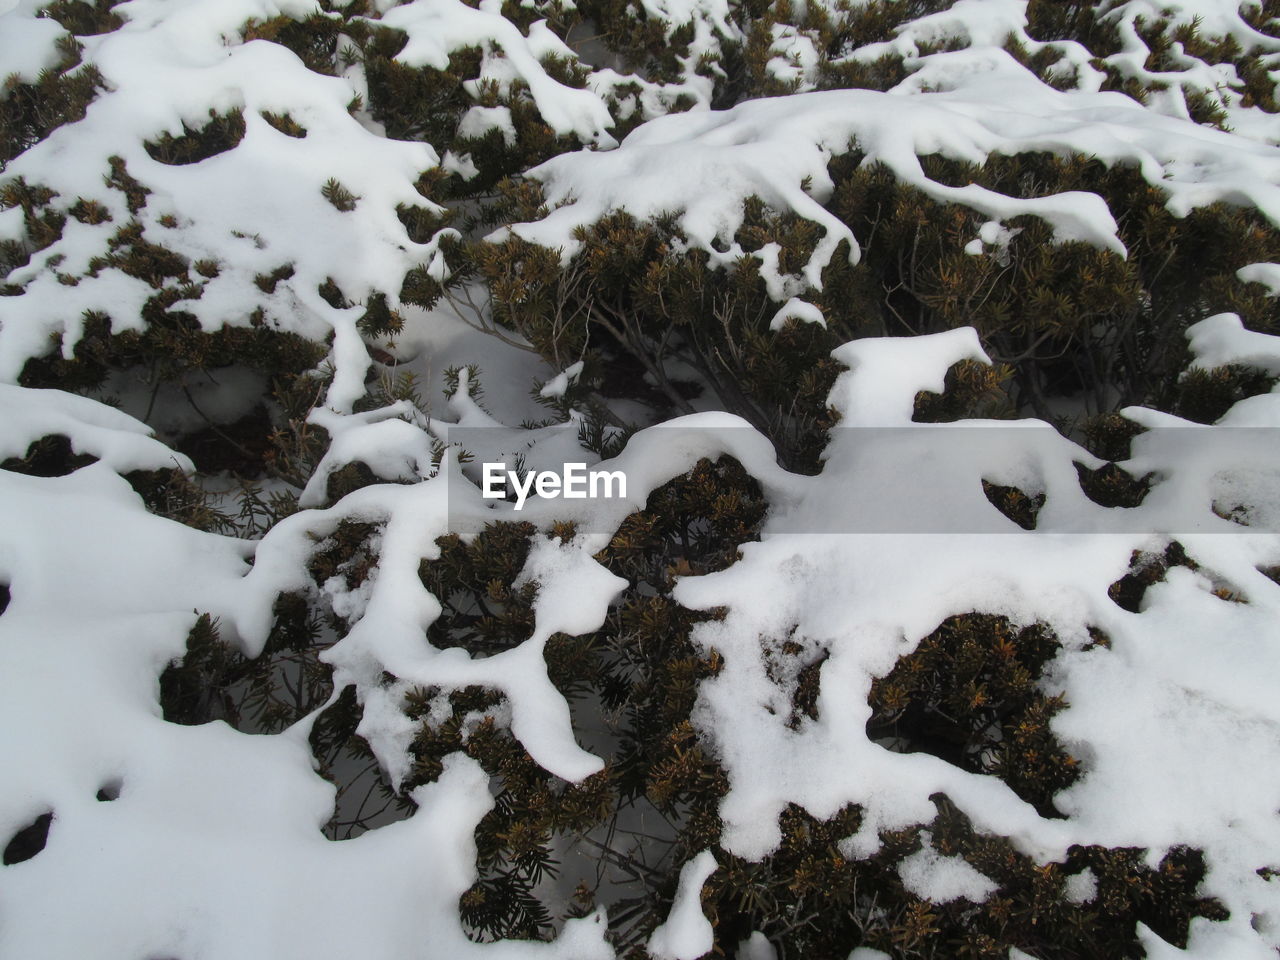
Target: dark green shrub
{"points": [[29, 112]]}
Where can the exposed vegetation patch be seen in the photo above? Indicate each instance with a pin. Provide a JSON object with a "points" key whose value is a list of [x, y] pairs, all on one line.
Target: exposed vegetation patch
{"points": [[29, 112], [222, 133]]}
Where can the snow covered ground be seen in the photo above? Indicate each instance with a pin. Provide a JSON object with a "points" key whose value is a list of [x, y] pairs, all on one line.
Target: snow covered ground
{"points": [[204, 841]]}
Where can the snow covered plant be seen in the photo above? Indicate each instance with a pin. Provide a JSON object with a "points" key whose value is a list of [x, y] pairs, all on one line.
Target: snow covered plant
{"points": [[935, 345]]}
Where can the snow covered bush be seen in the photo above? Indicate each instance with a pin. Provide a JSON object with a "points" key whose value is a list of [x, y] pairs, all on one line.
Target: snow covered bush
{"points": [[937, 343]]}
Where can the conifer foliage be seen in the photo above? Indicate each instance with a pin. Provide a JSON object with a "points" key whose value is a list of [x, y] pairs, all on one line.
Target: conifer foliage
{"points": [[938, 342]]}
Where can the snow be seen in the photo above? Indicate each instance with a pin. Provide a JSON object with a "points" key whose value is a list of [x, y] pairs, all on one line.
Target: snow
{"points": [[980, 27], [979, 23], [1268, 274], [1221, 340], [478, 121], [434, 341], [797, 57], [757, 947], [102, 594], [686, 934], [574, 591], [397, 608], [557, 385], [1082, 887], [28, 45], [703, 165], [120, 441], [938, 878], [251, 209], [1146, 712], [865, 598], [246, 849], [392, 441], [438, 27], [1215, 18], [797, 309], [993, 240], [1175, 721]]}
